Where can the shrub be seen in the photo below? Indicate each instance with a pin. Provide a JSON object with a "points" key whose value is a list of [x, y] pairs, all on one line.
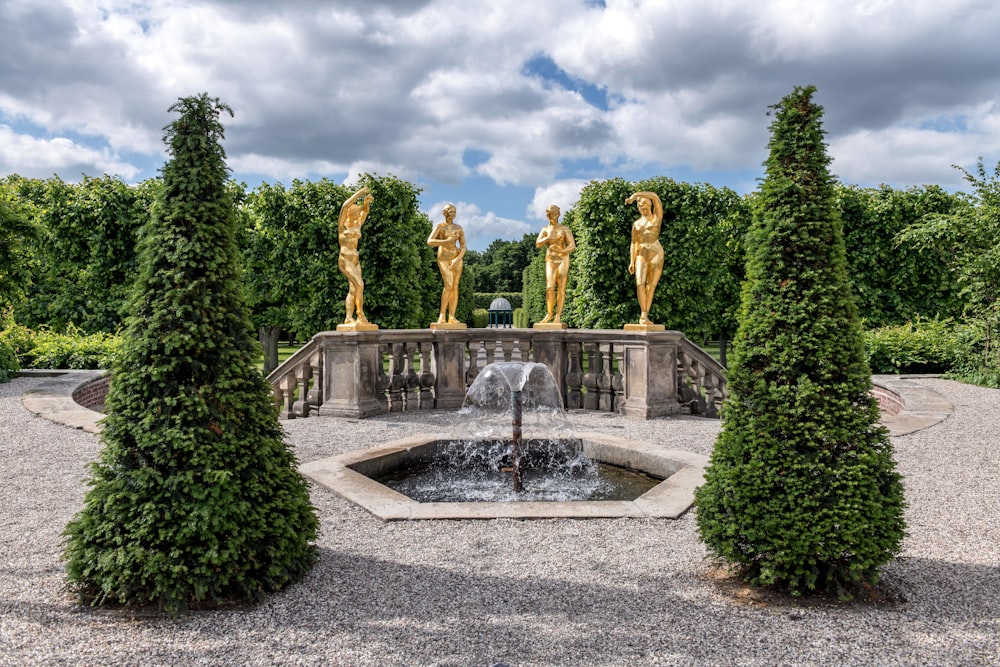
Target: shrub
{"points": [[801, 491], [195, 499], [480, 318], [921, 346], [73, 349], [520, 318]]}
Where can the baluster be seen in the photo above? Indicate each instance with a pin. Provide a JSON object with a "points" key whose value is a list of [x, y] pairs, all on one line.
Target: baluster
{"points": [[591, 397], [491, 349], [574, 377], [412, 381], [473, 371], [425, 398], [302, 375], [618, 380], [382, 379], [606, 401], [507, 346], [397, 381], [315, 395], [524, 350], [288, 396]]}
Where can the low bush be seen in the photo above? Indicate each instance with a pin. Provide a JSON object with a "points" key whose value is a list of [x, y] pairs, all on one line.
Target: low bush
{"points": [[520, 318], [921, 346], [480, 318], [46, 348]]}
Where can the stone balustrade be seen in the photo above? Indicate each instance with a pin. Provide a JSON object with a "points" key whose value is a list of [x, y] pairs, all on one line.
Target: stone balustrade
{"points": [[360, 374]]}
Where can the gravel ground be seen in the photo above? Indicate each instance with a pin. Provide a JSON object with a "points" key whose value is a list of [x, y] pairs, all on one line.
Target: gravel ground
{"points": [[516, 593]]}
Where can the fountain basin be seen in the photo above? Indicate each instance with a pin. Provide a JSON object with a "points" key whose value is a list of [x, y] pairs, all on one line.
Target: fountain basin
{"points": [[351, 476]]}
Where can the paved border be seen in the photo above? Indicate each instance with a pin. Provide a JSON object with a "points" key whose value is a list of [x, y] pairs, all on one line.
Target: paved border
{"points": [[53, 400], [922, 407]]}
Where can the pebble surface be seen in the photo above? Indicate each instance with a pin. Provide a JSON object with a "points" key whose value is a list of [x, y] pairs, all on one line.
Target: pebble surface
{"points": [[518, 593]]}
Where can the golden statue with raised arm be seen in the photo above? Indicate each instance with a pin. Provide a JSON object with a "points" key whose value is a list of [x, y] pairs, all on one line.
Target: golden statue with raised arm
{"points": [[558, 241], [352, 216], [646, 254], [449, 239]]}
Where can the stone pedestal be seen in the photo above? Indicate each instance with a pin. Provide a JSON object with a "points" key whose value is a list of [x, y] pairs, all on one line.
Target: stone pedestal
{"points": [[650, 376], [448, 366], [551, 351], [549, 326], [350, 377], [644, 327], [447, 326]]}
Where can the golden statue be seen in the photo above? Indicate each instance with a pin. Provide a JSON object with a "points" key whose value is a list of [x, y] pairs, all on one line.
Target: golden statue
{"points": [[558, 241], [352, 216], [646, 254], [449, 239]]}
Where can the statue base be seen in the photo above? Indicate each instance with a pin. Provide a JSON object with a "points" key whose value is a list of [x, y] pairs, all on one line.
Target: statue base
{"points": [[644, 327], [549, 326], [448, 326], [357, 326]]}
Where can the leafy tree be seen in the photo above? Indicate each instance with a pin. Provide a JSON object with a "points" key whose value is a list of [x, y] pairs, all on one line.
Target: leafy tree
{"points": [[500, 266], [195, 498], [897, 281], [16, 231], [801, 490], [702, 238], [970, 240], [84, 259], [290, 249]]}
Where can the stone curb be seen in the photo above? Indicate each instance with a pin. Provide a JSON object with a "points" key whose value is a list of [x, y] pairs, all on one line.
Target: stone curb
{"points": [[52, 399], [922, 407]]}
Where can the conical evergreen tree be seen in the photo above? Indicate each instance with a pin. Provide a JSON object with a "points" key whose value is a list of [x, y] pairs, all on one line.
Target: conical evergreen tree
{"points": [[801, 491], [196, 498]]}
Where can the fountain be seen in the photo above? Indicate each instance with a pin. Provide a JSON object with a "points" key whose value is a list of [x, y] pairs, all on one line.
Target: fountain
{"points": [[512, 429], [513, 454]]}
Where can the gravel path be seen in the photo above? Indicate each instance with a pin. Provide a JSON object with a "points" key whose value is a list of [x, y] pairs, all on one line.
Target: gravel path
{"points": [[506, 592]]}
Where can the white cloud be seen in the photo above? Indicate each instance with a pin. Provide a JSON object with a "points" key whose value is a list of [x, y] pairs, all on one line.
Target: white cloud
{"points": [[480, 228], [41, 158], [564, 194]]}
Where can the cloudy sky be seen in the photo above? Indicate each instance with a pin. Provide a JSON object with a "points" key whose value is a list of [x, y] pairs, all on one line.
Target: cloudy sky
{"points": [[501, 106]]}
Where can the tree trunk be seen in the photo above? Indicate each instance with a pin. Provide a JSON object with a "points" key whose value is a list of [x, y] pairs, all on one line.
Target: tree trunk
{"points": [[268, 337]]}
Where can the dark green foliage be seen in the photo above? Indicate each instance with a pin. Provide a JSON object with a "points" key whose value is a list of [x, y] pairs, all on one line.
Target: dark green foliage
{"points": [[290, 249], [499, 267], [801, 491], [702, 238], [16, 233], [195, 499], [84, 258], [534, 289], [969, 239], [521, 319], [72, 349], [9, 364], [896, 281], [921, 346]]}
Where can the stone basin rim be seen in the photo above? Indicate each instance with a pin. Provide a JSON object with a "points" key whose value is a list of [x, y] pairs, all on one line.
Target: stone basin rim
{"points": [[683, 472]]}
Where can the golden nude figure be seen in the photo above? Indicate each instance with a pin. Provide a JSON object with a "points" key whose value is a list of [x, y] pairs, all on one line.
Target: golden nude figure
{"points": [[558, 241], [352, 216], [645, 251], [449, 239]]}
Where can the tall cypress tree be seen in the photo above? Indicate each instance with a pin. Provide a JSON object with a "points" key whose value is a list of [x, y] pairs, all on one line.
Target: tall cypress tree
{"points": [[195, 498], [801, 491]]}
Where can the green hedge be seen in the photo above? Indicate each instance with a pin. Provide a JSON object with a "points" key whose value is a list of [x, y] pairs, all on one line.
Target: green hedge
{"points": [[921, 346], [480, 318], [484, 299]]}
